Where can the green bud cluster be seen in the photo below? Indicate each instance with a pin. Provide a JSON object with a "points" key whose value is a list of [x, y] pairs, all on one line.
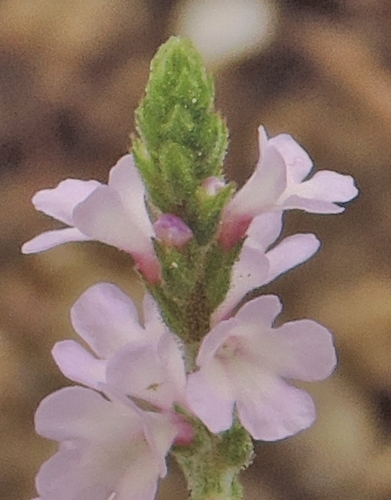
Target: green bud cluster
{"points": [[181, 139], [181, 142]]}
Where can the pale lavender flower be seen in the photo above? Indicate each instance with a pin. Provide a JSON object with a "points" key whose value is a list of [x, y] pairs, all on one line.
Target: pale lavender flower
{"points": [[108, 449], [279, 183], [113, 446], [260, 263], [172, 231], [243, 366], [115, 214], [143, 362]]}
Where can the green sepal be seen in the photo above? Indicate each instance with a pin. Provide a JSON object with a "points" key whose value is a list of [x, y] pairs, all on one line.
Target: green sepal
{"points": [[182, 290], [176, 162], [213, 140], [236, 447], [209, 212], [172, 313], [212, 463], [179, 274], [150, 172], [218, 272]]}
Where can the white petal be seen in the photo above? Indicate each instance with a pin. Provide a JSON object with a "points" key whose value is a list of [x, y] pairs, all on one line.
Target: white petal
{"points": [[141, 372], [297, 159], [260, 312], [272, 410], [160, 434], [51, 239], [262, 140], [79, 365], [153, 321], [291, 252], [60, 201], [310, 205], [310, 353], [104, 447], [126, 180], [328, 186], [103, 217], [320, 193], [249, 272], [212, 406], [215, 339], [131, 488], [264, 230], [173, 362], [106, 319], [263, 188]]}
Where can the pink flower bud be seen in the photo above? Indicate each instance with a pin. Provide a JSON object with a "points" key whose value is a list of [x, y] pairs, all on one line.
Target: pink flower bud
{"points": [[213, 185], [185, 432], [172, 231]]}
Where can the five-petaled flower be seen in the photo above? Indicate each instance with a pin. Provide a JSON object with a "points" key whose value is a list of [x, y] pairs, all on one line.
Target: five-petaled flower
{"points": [[260, 262], [114, 444], [115, 214], [279, 182], [108, 447], [244, 363], [144, 362]]}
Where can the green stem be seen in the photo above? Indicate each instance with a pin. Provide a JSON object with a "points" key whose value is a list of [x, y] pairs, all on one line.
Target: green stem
{"points": [[212, 464]]}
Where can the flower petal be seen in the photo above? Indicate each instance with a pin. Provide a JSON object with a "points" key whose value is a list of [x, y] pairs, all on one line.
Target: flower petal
{"points": [[264, 230], [249, 272], [260, 312], [51, 239], [312, 206], [131, 488], [160, 434], [153, 321], [141, 372], [60, 201], [328, 186], [291, 252], [103, 447], [106, 319], [311, 353], [214, 340], [320, 193], [125, 178], [274, 410], [259, 194], [211, 402], [169, 350], [102, 217], [264, 187], [297, 159], [66, 413], [79, 365]]}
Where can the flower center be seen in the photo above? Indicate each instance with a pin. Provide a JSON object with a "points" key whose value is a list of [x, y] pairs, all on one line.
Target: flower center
{"points": [[231, 348]]}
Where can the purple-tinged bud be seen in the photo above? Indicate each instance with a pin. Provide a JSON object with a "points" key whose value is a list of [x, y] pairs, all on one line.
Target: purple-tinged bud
{"points": [[172, 231], [213, 185]]}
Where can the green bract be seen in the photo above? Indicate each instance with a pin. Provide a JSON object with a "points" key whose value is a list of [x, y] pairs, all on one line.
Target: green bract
{"points": [[182, 142]]}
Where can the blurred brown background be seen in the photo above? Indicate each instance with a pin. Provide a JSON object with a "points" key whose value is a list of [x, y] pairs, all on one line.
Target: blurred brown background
{"points": [[71, 75]]}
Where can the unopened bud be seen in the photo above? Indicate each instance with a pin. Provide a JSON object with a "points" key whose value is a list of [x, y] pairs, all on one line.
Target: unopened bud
{"points": [[172, 231], [213, 185]]}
